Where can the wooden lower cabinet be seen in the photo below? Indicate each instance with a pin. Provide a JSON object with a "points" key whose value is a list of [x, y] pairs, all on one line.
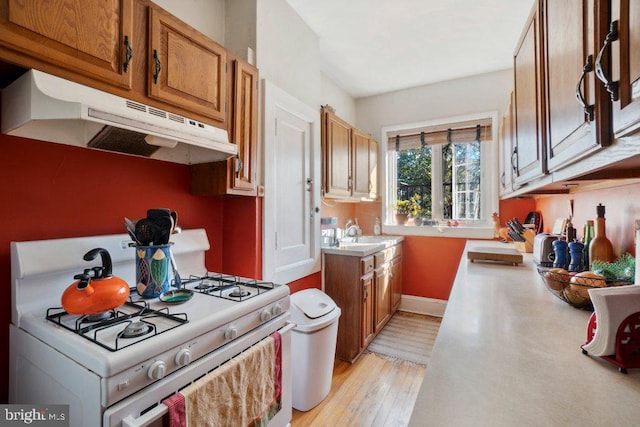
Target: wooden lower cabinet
{"points": [[366, 318], [383, 297], [367, 290], [396, 283]]}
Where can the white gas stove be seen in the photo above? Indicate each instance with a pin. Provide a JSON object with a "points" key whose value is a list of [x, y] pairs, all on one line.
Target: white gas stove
{"points": [[116, 369]]}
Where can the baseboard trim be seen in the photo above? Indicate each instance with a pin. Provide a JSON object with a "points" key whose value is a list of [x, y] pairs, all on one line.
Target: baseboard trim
{"points": [[422, 305]]}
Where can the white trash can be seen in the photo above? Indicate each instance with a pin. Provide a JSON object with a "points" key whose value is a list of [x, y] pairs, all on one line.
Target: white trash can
{"points": [[313, 346]]}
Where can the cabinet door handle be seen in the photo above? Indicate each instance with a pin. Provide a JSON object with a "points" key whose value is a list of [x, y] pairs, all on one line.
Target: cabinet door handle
{"points": [[610, 85], [514, 159], [128, 54], [158, 66], [588, 109], [502, 179], [239, 165]]}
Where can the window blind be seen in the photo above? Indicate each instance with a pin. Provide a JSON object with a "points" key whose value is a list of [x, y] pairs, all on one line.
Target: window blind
{"points": [[454, 132]]}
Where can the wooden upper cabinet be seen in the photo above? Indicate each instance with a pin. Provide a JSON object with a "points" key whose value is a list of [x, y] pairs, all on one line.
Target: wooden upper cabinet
{"points": [[237, 175], [625, 66], [87, 37], [336, 141], [577, 109], [350, 160], [244, 128], [506, 149], [529, 145], [185, 68], [360, 163]]}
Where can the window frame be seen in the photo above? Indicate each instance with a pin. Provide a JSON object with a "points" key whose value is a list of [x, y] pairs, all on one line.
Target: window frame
{"points": [[483, 229]]}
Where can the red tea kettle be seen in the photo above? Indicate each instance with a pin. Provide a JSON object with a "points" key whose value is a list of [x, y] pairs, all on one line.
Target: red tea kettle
{"points": [[96, 289]]}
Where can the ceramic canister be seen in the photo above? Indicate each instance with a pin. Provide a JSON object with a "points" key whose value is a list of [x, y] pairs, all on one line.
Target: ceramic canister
{"points": [[154, 273]]}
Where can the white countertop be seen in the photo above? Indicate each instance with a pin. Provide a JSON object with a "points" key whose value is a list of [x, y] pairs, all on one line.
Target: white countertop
{"points": [[366, 245], [508, 354]]}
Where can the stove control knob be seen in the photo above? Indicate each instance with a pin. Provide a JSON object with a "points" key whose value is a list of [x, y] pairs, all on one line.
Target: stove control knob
{"points": [[265, 315], [276, 310], [231, 333], [156, 370], [183, 357]]}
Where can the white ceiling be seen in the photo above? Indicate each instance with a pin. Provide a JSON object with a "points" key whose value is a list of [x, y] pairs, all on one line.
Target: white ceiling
{"points": [[370, 47]]}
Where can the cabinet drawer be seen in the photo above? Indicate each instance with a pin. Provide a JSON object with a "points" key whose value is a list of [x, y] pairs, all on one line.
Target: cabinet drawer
{"points": [[366, 264], [387, 255]]}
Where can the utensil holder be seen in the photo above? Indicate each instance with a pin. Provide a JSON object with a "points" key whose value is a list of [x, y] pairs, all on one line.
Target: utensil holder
{"points": [[154, 271]]}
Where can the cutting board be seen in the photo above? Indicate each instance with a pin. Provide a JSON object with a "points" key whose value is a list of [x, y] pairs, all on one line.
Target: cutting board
{"points": [[501, 255]]}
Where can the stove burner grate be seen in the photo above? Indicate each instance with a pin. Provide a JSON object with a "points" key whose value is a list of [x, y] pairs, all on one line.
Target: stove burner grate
{"points": [[90, 329], [216, 285]]}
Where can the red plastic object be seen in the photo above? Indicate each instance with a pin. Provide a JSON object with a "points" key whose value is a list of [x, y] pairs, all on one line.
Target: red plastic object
{"points": [[627, 354]]}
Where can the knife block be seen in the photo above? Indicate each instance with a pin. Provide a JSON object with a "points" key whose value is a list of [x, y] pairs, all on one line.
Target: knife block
{"points": [[526, 247]]}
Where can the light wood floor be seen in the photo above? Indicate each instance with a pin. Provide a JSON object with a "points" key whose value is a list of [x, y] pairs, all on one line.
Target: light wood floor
{"points": [[375, 391]]}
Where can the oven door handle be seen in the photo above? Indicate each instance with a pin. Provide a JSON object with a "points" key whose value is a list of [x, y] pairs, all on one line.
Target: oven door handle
{"points": [[162, 409], [147, 418]]}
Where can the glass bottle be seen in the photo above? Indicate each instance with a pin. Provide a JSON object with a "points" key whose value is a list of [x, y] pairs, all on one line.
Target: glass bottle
{"points": [[587, 236], [600, 248]]}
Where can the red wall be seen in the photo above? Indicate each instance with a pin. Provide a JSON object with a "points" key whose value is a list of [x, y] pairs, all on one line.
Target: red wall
{"points": [[53, 191], [311, 281]]}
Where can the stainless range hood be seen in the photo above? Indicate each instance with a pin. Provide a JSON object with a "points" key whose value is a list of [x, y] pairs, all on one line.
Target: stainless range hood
{"points": [[47, 108]]}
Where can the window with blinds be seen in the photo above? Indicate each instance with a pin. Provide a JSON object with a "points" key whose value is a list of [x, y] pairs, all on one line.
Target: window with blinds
{"points": [[440, 169]]}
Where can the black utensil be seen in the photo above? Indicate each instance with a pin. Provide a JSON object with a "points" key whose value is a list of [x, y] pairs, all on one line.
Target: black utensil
{"points": [[174, 215], [164, 221], [146, 232]]}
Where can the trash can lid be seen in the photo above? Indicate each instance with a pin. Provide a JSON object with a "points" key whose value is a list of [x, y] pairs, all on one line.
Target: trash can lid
{"points": [[313, 303]]}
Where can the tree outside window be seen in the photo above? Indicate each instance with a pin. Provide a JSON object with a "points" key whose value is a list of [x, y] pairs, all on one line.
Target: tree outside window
{"points": [[444, 177]]}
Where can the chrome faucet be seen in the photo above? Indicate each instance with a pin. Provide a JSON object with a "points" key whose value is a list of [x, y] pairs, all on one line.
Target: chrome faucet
{"points": [[352, 230]]}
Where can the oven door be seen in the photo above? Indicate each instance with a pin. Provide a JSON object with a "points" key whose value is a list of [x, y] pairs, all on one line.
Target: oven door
{"points": [[145, 408]]}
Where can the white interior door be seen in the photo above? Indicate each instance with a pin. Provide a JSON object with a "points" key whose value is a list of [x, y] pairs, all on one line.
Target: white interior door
{"points": [[291, 225]]}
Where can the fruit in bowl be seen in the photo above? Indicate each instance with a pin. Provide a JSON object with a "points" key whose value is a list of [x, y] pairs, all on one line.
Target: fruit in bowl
{"points": [[556, 278], [581, 282]]}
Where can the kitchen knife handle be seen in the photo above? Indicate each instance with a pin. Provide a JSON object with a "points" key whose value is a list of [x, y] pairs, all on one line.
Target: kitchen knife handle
{"points": [[612, 87], [158, 66], [588, 109]]}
